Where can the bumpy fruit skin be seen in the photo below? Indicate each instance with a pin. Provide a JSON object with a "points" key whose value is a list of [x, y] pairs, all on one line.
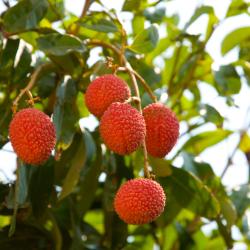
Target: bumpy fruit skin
{"points": [[139, 201], [103, 91], [122, 128], [32, 136], [162, 129]]}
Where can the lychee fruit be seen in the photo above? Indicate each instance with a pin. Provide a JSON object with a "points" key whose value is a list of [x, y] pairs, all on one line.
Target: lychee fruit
{"points": [[139, 201], [32, 136], [162, 129], [122, 128], [103, 91]]}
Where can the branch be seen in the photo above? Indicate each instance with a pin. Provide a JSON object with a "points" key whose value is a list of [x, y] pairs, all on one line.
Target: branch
{"points": [[84, 11], [132, 74], [103, 44], [143, 82], [30, 85], [124, 61], [230, 158]]}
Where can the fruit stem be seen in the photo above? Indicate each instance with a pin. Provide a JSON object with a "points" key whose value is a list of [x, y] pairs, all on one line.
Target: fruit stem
{"points": [[137, 94], [132, 75], [123, 61], [143, 82], [29, 86]]}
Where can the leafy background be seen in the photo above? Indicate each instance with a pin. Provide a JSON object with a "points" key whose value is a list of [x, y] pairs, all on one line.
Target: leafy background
{"points": [[67, 204]]}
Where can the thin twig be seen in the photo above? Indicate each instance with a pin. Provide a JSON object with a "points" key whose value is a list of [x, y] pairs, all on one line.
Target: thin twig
{"points": [[84, 12], [58, 15], [173, 73], [30, 84], [103, 44], [123, 60], [230, 158], [143, 82], [137, 94], [130, 71]]}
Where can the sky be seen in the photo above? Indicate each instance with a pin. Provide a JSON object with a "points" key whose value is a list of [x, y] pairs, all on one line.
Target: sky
{"points": [[237, 118]]}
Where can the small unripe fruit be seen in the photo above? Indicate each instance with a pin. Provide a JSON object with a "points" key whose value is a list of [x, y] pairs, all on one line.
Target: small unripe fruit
{"points": [[32, 136], [103, 91], [139, 201], [162, 129], [122, 128]]}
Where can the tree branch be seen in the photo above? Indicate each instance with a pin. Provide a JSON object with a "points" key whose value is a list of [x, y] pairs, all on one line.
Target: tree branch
{"points": [[30, 84], [132, 75], [84, 12]]}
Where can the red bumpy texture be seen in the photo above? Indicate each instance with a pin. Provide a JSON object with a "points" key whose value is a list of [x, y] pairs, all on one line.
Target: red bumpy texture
{"points": [[162, 129], [139, 201], [122, 128], [103, 91], [32, 136]]}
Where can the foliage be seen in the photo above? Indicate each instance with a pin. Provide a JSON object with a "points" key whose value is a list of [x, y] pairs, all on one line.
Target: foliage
{"points": [[68, 202]]}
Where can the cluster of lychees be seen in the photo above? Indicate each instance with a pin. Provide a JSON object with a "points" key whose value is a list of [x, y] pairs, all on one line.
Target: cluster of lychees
{"points": [[124, 129]]}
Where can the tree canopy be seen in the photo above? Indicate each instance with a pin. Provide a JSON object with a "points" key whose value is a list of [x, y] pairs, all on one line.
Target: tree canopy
{"points": [[49, 56]]}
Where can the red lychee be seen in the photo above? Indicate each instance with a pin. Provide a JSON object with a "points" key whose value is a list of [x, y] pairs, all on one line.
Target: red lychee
{"points": [[32, 136], [162, 129], [122, 128], [103, 91], [139, 201]]}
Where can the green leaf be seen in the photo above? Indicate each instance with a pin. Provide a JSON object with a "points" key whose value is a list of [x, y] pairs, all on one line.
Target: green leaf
{"points": [[228, 80], [132, 5], [198, 12], [189, 192], [237, 7], [245, 143], [23, 66], [241, 199], [161, 47], [201, 169], [46, 84], [200, 142], [25, 15], [7, 57], [65, 114], [146, 40], [58, 45], [228, 211], [161, 167], [172, 66], [156, 16], [89, 177], [77, 162], [234, 38], [212, 19], [56, 10], [99, 21], [138, 23], [116, 231], [40, 187], [210, 114]]}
